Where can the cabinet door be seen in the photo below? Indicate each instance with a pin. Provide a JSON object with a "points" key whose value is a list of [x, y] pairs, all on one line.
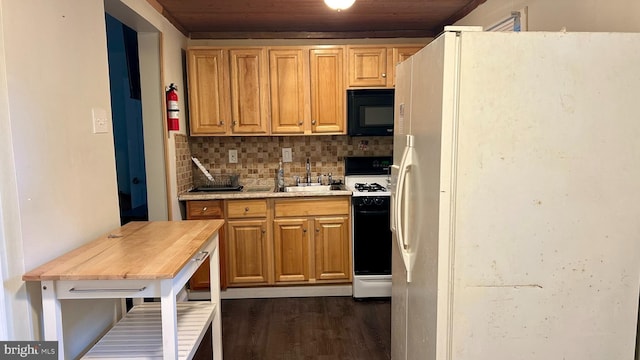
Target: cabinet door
{"points": [[208, 209], [367, 66], [249, 97], [333, 255], [291, 253], [208, 92], [400, 54], [327, 90], [247, 252], [289, 91]]}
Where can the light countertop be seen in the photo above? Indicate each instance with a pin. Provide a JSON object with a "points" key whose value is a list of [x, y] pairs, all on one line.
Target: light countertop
{"points": [[257, 193]]}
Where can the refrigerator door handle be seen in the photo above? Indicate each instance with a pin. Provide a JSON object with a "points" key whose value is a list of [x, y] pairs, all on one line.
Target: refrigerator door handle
{"points": [[400, 205], [394, 195], [399, 201]]}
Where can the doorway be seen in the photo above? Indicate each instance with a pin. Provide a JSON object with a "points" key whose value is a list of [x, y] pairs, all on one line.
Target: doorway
{"points": [[126, 109]]}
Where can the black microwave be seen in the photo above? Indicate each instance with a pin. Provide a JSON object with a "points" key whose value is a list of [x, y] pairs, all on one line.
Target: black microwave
{"points": [[370, 112]]}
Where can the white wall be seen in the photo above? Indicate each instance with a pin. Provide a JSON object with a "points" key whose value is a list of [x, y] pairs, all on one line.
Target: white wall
{"points": [[554, 15], [8, 202], [58, 185]]}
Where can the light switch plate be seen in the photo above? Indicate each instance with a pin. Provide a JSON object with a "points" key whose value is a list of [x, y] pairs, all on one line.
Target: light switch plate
{"points": [[287, 156], [101, 124], [233, 156]]}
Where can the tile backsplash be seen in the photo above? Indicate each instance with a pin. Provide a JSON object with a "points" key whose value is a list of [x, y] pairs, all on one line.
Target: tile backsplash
{"points": [[258, 156], [184, 170]]}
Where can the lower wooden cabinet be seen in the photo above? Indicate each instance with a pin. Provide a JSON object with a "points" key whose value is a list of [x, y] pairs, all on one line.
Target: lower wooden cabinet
{"points": [[322, 241], [332, 250], [200, 210], [291, 240], [311, 240], [247, 252], [271, 242]]}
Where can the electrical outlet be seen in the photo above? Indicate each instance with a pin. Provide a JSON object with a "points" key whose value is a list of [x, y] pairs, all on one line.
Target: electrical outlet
{"points": [[287, 156], [100, 121], [233, 156]]}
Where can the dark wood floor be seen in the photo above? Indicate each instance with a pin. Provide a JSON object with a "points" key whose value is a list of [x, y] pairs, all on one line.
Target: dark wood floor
{"points": [[331, 328]]}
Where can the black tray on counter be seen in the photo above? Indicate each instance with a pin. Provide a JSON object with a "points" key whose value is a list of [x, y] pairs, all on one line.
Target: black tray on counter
{"points": [[216, 188]]}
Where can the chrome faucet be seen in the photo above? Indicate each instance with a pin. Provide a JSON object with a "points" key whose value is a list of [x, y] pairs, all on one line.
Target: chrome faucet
{"points": [[308, 166]]}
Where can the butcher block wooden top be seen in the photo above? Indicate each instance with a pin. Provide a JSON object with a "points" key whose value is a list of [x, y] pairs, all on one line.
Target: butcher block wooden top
{"points": [[143, 250]]}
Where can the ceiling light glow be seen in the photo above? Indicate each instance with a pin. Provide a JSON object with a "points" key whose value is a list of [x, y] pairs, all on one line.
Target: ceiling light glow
{"points": [[339, 4]]}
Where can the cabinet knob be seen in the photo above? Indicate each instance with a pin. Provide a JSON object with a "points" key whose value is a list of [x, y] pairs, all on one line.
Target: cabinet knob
{"points": [[204, 209], [246, 209], [264, 231], [221, 122], [299, 123], [384, 75], [233, 123], [313, 122], [317, 230], [304, 230]]}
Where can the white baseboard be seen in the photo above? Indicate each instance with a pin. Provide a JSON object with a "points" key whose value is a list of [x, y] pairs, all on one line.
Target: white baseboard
{"points": [[276, 292]]}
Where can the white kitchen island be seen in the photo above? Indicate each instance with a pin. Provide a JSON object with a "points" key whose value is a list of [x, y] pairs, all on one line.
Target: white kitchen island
{"points": [[139, 260]]}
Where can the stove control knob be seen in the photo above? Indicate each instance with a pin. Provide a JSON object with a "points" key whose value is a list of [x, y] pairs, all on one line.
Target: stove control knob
{"points": [[366, 201], [377, 201]]}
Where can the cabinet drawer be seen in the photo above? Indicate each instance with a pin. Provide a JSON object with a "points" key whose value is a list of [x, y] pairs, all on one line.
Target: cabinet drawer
{"points": [[204, 209], [246, 208], [312, 207]]}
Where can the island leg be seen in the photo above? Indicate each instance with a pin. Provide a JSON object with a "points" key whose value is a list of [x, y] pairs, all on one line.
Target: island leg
{"points": [[52, 316], [169, 316], [214, 286]]}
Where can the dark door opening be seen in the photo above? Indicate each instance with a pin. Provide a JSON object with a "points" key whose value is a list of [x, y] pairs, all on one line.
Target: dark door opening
{"points": [[126, 109]]}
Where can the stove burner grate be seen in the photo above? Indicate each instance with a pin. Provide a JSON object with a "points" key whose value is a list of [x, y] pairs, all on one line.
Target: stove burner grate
{"points": [[367, 187]]}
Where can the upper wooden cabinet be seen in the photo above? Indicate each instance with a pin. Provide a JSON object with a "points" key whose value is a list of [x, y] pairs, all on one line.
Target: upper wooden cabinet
{"points": [[374, 66], [283, 90], [289, 95], [328, 114], [367, 66], [228, 91], [249, 92], [307, 90], [398, 55], [210, 112]]}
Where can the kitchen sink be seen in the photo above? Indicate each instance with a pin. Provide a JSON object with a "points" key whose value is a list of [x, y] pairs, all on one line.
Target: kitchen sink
{"points": [[317, 188], [313, 188]]}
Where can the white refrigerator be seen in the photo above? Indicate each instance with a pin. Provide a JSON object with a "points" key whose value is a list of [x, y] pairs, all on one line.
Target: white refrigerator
{"points": [[516, 197]]}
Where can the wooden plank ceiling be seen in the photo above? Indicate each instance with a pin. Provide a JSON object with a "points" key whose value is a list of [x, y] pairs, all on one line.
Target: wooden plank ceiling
{"points": [[311, 19]]}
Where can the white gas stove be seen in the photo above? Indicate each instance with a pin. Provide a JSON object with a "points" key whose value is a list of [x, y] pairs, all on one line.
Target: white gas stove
{"points": [[367, 178]]}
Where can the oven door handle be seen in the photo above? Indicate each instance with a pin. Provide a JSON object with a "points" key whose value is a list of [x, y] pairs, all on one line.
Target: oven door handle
{"points": [[372, 212]]}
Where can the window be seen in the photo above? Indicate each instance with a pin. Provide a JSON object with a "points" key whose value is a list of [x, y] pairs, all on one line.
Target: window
{"points": [[517, 21]]}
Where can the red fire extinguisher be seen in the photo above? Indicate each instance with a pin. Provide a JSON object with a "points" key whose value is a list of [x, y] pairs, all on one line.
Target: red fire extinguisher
{"points": [[173, 120]]}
